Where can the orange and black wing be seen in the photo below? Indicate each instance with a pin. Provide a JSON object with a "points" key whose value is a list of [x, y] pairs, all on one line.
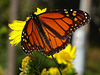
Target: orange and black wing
{"points": [[59, 25], [56, 44], [62, 23], [31, 39]]}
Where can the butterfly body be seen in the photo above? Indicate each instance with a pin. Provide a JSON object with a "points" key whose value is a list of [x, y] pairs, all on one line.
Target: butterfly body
{"points": [[50, 32], [38, 25]]}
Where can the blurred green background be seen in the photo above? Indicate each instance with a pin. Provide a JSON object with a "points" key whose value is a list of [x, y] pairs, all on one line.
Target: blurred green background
{"points": [[23, 10]]}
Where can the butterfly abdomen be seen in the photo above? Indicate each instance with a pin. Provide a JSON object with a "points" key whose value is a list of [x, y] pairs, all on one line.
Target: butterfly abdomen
{"points": [[40, 28]]}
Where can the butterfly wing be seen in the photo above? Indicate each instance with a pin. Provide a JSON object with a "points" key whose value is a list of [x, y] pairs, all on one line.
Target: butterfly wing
{"points": [[31, 39], [56, 44], [59, 25], [63, 22]]}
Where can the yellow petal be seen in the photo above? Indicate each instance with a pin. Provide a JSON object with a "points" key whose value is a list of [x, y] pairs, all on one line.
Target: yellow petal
{"points": [[66, 55], [44, 72], [15, 34], [15, 41], [27, 18], [17, 25], [39, 11], [73, 50], [44, 10], [68, 48], [53, 71]]}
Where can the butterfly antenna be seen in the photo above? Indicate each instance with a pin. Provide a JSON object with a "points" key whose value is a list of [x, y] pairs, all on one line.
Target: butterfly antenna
{"points": [[56, 64]]}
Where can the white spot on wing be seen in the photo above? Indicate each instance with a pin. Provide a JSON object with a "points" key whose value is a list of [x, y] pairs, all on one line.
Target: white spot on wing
{"points": [[86, 17], [71, 9], [65, 9], [85, 14], [23, 32], [23, 47], [22, 36], [25, 50]]}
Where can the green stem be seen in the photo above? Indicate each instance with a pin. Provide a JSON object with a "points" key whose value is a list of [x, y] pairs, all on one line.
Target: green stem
{"points": [[56, 64], [38, 72]]}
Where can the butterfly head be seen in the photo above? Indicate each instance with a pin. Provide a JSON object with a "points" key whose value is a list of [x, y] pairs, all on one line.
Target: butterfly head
{"points": [[33, 16]]}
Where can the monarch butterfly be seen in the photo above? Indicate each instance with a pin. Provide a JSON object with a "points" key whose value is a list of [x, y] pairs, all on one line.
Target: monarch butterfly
{"points": [[50, 32]]}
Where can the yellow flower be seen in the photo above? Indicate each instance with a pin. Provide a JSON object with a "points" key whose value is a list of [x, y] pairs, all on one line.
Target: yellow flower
{"points": [[54, 71], [44, 72], [51, 71], [17, 27], [68, 69], [26, 61], [66, 55]]}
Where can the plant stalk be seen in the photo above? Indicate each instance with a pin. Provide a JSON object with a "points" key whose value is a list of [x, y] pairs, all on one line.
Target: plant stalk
{"points": [[56, 64]]}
